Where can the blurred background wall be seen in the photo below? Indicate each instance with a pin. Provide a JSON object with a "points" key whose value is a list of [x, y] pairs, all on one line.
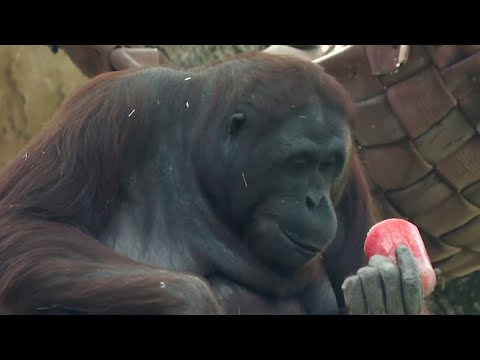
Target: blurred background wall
{"points": [[33, 83]]}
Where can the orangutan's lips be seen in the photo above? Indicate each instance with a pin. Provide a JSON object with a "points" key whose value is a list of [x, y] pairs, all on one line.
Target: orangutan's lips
{"points": [[311, 249]]}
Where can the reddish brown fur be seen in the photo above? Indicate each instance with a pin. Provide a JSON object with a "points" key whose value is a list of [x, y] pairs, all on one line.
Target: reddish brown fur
{"points": [[361, 213], [60, 192]]}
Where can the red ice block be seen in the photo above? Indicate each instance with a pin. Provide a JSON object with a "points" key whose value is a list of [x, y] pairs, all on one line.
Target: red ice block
{"points": [[384, 238]]}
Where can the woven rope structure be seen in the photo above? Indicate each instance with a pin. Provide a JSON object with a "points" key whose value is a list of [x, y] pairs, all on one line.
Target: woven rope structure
{"points": [[193, 55], [417, 133]]}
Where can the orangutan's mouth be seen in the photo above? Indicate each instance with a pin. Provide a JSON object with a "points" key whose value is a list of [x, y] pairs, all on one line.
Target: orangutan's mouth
{"points": [[294, 239]]}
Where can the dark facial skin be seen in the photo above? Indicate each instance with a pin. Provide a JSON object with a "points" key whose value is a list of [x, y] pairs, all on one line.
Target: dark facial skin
{"points": [[283, 201], [279, 201]]}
